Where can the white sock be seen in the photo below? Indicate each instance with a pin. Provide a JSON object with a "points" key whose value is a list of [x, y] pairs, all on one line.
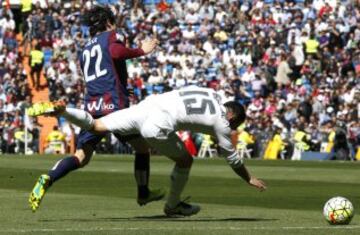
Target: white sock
{"points": [[179, 178], [79, 117]]}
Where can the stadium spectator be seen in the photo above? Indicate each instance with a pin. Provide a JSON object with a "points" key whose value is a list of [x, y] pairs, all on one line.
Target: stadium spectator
{"points": [[283, 71], [20, 138], [35, 129], [36, 63], [245, 141], [7, 23], [55, 141], [14, 90], [316, 41], [26, 7]]}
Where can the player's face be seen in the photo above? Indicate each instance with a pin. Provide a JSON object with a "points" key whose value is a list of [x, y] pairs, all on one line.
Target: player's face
{"points": [[231, 118], [229, 115]]}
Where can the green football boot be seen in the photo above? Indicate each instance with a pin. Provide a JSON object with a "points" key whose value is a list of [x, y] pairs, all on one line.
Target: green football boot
{"points": [[46, 108], [38, 192]]}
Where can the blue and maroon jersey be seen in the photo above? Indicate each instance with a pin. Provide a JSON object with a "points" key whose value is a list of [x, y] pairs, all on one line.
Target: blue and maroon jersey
{"points": [[103, 64]]}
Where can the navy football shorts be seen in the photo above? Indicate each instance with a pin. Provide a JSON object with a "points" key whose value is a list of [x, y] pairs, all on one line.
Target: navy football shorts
{"points": [[89, 138]]}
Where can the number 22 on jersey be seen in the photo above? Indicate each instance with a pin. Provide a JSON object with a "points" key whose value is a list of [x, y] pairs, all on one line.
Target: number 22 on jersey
{"points": [[92, 63]]}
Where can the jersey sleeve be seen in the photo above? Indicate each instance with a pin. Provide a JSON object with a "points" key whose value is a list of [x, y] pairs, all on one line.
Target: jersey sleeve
{"points": [[231, 155], [118, 50]]}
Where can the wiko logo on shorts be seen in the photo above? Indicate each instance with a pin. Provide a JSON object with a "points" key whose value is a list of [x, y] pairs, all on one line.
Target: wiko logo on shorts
{"points": [[97, 105]]}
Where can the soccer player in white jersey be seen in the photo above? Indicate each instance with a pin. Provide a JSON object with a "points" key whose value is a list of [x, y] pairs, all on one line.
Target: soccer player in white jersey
{"points": [[157, 119]]}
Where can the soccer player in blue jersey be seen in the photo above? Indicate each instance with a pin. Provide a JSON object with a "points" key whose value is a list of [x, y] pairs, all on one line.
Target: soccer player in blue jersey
{"points": [[103, 65]]}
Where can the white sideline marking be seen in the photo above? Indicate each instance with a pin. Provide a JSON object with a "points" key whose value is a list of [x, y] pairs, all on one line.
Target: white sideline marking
{"points": [[179, 229]]}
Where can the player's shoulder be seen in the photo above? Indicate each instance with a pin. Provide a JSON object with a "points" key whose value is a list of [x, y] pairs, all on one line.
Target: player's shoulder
{"points": [[96, 39], [117, 36], [196, 89], [120, 35]]}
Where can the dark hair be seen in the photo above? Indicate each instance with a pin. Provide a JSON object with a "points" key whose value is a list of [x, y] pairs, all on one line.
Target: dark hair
{"points": [[97, 19], [238, 111], [38, 47]]}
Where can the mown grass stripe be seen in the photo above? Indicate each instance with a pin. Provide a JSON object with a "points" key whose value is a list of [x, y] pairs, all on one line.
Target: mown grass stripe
{"points": [[195, 228]]}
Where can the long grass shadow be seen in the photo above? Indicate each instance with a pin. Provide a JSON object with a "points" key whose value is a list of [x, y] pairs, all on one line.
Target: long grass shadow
{"points": [[163, 218]]}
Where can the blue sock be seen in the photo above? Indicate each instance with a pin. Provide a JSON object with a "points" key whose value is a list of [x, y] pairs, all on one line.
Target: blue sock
{"points": [[62, 167], [142, 170]]}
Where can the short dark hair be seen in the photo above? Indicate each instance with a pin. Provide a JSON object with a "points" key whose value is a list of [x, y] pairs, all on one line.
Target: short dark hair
{"points": [[38, 47], [97, 19], [238, 111]]}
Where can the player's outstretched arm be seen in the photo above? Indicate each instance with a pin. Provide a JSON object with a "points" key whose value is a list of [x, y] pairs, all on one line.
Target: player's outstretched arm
{"points": [[237, 164], [258, 183], [119, 51], [149, 45], [251, 180]]}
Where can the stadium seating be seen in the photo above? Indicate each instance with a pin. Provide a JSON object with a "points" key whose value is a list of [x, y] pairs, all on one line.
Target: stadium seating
{"points": [[265, 43]]}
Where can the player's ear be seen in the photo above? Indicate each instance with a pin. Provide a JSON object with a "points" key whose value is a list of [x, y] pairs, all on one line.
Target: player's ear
{"points": [[230, 117]]}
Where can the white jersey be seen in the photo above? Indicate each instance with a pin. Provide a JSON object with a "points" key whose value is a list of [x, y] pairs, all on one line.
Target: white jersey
{"points": [[192, 108]]}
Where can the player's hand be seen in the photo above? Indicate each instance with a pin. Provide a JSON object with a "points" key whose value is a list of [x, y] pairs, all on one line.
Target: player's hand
{"points": [[257, 183], [149, 45]]}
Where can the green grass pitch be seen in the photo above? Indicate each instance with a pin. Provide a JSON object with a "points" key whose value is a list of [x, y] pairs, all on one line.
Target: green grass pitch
{"points": [[100, 199]]}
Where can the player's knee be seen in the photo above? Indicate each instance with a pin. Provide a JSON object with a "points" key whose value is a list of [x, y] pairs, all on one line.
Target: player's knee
{"points": [[84, 162], [147, 132], [97, 126], [82, 157]]}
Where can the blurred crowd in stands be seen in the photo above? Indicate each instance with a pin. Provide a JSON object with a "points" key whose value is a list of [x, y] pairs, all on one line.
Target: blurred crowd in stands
{"points": [[295, 64]]}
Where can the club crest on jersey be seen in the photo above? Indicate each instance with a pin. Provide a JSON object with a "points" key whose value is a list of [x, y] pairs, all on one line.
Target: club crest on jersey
{"points": [[99, 105]]}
